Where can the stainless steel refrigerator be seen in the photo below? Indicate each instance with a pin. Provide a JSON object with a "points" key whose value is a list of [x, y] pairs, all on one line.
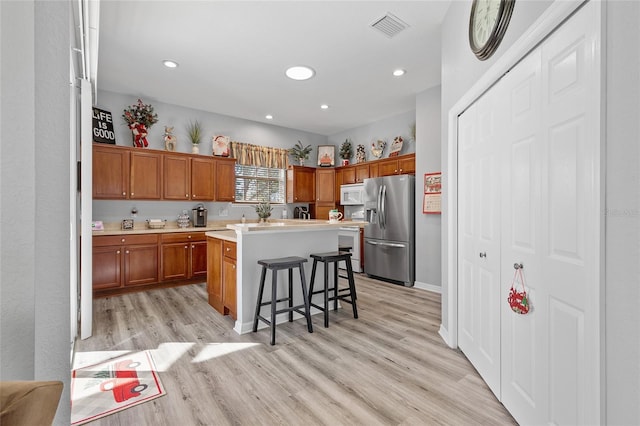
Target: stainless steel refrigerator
{"points": [[389, 235]]}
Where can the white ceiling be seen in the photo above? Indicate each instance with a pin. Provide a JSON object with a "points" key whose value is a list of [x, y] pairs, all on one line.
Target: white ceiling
{"points": [[233, 55]]}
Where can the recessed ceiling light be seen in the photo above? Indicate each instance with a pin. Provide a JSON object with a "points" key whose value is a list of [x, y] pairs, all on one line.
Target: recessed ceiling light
{"points": [[300, 73], [399, 72], [169, 63], [269, 117], [324, 106]]}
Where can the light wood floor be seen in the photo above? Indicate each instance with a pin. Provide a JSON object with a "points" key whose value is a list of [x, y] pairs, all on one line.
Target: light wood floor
{"points": [[389, 367]]}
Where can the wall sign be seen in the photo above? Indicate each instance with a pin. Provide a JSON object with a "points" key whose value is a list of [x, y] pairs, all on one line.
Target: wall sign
{"points": [[432, 203], [103, 126]]}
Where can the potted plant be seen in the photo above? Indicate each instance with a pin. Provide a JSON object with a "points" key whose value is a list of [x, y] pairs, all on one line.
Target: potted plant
{"points": [[264, 210], [346, 151], [140, 117], [194, 129], [300, 152]]}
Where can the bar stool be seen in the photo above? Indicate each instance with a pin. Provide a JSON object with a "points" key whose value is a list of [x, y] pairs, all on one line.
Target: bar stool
{"points": [[349, 295], [275, 265]]}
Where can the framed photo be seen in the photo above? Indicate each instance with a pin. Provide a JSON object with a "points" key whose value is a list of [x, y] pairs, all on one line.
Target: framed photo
{"points": [[326, 155]]}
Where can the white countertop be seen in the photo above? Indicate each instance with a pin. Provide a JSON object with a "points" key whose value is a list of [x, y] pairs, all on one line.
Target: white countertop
{"points": [[291, 225]]}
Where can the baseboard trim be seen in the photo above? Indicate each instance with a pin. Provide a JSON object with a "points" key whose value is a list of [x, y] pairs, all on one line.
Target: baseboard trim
{"points": [[428, 287], [444, 333]]}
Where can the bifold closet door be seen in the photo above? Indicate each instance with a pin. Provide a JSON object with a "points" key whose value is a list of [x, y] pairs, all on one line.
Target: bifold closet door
{"points": [[550, 357], [529, 193], [479, 236]]}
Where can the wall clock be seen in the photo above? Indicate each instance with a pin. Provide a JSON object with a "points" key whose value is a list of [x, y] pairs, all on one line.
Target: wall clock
{"points": [[487, 24]]}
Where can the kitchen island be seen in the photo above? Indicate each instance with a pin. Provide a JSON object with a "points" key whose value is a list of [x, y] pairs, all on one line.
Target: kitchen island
{"points": [[267, 241]]}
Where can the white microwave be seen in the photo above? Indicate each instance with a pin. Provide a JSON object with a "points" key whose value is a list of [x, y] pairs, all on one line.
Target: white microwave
{"points": [[352, 195]]}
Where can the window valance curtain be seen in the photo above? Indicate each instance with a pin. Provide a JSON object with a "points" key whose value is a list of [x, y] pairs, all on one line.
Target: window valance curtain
{"points": [[261, 156]]}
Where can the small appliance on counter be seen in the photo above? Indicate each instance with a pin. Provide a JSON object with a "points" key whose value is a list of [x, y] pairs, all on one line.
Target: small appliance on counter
{"points": [[156, 223], [183, 220], [199, 216]]}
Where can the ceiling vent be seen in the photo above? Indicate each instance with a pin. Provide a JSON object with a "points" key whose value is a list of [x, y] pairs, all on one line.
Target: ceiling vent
{"points": [[389, 25]]}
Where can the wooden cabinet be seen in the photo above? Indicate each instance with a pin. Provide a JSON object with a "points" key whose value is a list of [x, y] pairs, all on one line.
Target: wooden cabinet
{"points": [[397, 166], [188, 178], [221, 276], [225, 179], [110, 172], [120, 261], [183, 255], [145, 176], [301, 184], [121, 173], [325, 193], [362, 172], [348, 175], [229, 292], [325, 186]]}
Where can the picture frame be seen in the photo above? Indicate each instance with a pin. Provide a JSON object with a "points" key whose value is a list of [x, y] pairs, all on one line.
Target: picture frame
{"points": [[326, 155]]}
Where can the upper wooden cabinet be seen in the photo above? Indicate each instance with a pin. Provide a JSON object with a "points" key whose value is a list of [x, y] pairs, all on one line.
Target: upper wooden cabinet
{"points": [[397, 166], [348, 174], [134, 173], [301, 184], [362, 172], [145, 176], [225, 179], [110, 172], [325, 185]]}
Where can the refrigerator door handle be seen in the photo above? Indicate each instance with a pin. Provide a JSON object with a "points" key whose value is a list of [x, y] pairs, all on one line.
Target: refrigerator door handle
{"points": [[372, 243], [383, 204], [392, 245], [379, 207]]}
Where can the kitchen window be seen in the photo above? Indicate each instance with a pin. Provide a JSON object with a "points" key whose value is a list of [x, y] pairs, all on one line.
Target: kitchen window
{"points": [[256, 184]]}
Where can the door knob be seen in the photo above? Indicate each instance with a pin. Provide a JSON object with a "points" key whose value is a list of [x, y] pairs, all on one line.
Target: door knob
{"points": [[483, 254]]}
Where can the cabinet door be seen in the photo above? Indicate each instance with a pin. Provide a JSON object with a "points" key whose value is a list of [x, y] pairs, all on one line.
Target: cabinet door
{"points": [[407, 165], [362, 172], [107, 263], [203, 172], [110, 172], [198, 259], [225, 180], [229, 287], [336, 194], [387, 167], [176, 177], [322, 210], [214, 275], [349, 175], [145, 172], [140, 264], [374, 170], [325, 185], [301, 184], [175, 261]]}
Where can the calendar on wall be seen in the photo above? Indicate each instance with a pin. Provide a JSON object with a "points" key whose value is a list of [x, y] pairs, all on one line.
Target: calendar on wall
{"points": [[432, 202]]}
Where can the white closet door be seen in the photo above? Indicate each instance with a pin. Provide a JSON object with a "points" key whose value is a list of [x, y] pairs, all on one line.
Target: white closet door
{"points": [[479, 237], [551, 356], [524, 347]]}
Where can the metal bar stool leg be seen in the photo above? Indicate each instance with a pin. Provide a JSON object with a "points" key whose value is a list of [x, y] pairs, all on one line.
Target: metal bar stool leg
{"points": [[290, 295], [326, 294], [335, 285], [352, 288]]}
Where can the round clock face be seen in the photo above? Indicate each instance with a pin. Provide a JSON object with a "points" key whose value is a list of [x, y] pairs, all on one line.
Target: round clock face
{"points": [[487, 25]]}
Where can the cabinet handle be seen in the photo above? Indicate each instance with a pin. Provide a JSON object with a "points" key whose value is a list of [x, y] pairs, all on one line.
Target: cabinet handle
{"points": [[228, 249], [194, 195], [234, 266], [126, 252], [186, 196], [193, 246], [124, 194], [132, 194], [122, 240], [118, 252], [189, 236], [186, 247], [400, 170]]}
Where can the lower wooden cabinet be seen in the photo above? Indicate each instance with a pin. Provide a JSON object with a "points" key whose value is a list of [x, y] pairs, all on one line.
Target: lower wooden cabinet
{"points": [[221, 279], [140, 261], [121, 261], [183, 255]]}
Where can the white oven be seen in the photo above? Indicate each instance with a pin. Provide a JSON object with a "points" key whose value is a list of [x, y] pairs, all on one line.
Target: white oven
{"points": [[350, 236], [352, 195]]}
